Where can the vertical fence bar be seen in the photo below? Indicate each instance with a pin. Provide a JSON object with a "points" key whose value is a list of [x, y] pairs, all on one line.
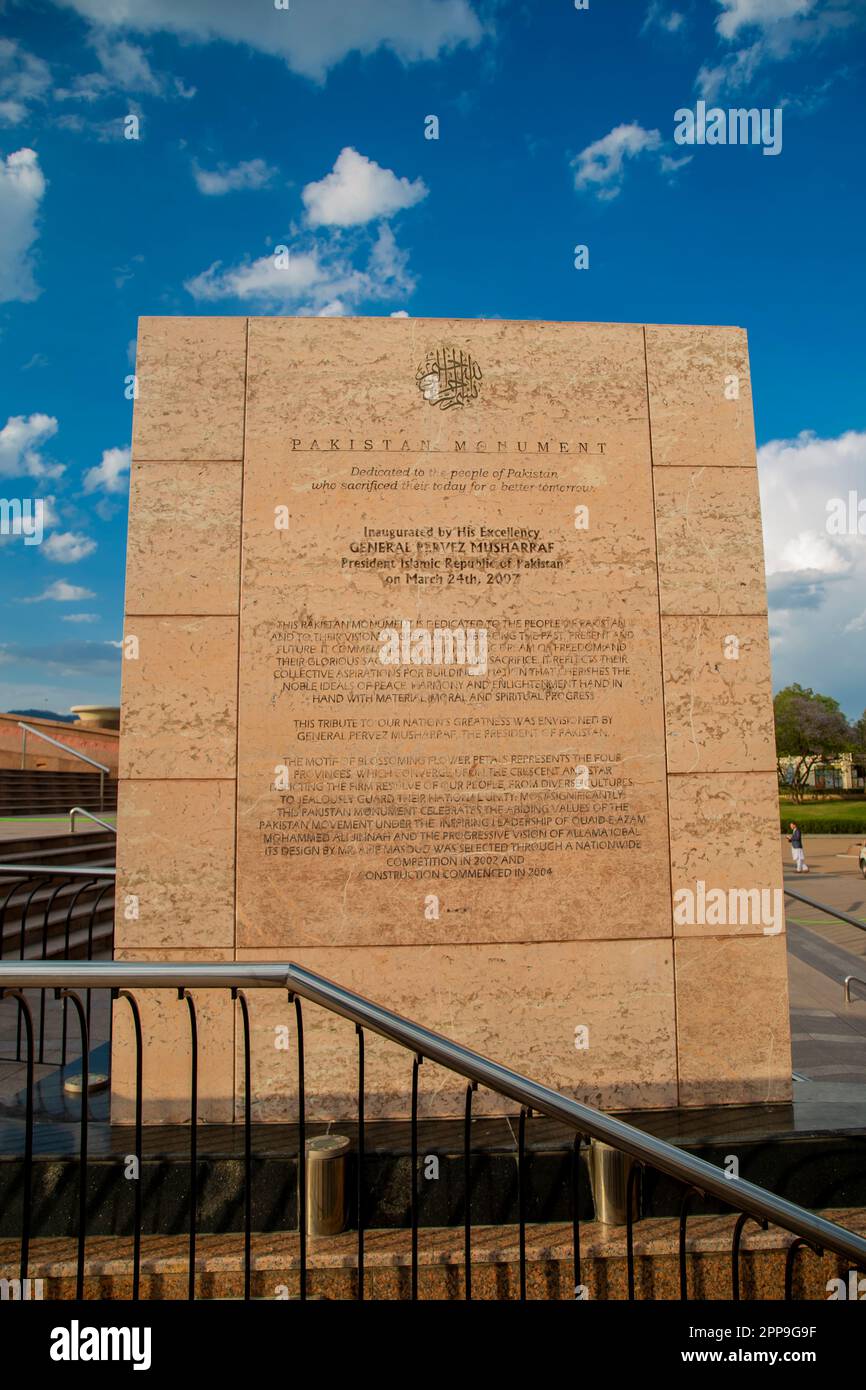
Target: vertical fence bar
{"points": [[575, 1210], [521, 1195], [416, 1063], [24, 913], [633, 1178], [360, 1173], [790, 1259], [49, 908], [139, 1069], [688, 1196], [467, 1189], [27, 1186], [69, 994], [109, 888], [193, 1135], [302, 1147], [248, 1146], [742, 1219], [68, 928]]}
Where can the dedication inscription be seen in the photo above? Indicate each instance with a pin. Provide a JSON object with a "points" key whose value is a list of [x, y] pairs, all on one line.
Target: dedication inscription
{"points": [[471, 663]]}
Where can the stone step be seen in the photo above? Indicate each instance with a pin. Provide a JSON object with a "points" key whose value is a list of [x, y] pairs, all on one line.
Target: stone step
{"points": [[97, 847], [332, 1263]]}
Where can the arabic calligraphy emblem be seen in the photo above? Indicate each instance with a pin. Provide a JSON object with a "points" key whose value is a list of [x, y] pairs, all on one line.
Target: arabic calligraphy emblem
{"points": [[447, 377]]}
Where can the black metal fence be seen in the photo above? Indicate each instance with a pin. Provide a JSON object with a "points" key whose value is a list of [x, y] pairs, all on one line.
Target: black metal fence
{"points": [[73, 983]]}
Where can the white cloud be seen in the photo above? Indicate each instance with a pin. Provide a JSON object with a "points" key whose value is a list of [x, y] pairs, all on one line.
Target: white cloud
{"points": [[600, 167], [126, 65], [250, 173], [742, 14], [815, 578], [22, 187], [400, 314], [358, 190], [317, 279], [125, 68], [109, 475], [657, 17], [310, 38], [21, 441], [770, 31], [61, 591], [67, 547], [24, 78], [81, 618]]}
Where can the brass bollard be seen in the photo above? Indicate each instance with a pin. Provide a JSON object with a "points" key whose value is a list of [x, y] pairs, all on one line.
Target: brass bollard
{"points": [[609, 1171], [326, 1184]]}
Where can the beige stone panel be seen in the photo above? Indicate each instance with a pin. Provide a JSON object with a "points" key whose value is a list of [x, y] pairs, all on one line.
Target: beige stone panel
{"points": [[351, 890], [357, 378], [718, 712], [732, 1020], [175, 855], [694, 424], [184, 549], [509, 847], [167, 1048], [725, 834], [518, 1005], [548, 862], [710, 544], [610, 563], [191, 377], [180, 698]]}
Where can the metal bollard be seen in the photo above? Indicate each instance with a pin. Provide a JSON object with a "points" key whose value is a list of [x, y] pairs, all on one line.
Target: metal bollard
{"points": [[326, 1184], [609, 1171]]}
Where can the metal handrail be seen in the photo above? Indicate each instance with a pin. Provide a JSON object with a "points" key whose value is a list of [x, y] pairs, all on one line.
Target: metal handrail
{"points": [[822, 907], [103, 767], [60, 870], [656, 1153], [80, 811], [847, 983]]}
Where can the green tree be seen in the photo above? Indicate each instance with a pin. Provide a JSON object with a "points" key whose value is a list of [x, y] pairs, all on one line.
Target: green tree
{"points": [[810, 729]]}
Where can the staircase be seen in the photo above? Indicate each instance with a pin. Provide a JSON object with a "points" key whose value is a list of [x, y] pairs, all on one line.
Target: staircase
{"points": [[31, 793], [64, 917], [495, 1264]]}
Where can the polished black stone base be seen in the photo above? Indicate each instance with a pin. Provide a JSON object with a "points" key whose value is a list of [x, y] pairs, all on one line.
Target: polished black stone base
{"points": [[812, 1152]]}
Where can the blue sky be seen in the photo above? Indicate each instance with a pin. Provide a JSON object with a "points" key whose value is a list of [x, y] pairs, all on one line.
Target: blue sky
{"points": [[306, 127]]}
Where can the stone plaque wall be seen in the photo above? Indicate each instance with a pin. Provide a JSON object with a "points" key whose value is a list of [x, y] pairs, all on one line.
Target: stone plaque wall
{"points": [[452, 683]]}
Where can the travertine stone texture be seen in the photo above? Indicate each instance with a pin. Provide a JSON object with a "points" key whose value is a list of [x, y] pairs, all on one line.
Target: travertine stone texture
{"points": [[357, 378], [520, 1005], [165, 1025], [179, 714], [190, 404], [710, 546], [700, 397], [491, 846], [718, 708], [178, 864], [184, 550], [733, 1032], [724, 832]]}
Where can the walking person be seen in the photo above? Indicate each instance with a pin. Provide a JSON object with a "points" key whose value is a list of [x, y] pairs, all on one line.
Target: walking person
{"points": [[795, 840]]}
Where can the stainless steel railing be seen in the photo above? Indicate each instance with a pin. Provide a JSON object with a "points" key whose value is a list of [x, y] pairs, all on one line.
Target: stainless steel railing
{"points": [[67, 748], [830, 911], [80, 811], [695, 1174]]}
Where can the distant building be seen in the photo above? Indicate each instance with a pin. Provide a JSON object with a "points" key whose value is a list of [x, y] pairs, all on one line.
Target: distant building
{"points": [[847, 773]]}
